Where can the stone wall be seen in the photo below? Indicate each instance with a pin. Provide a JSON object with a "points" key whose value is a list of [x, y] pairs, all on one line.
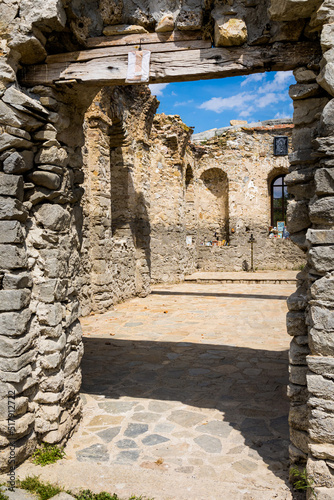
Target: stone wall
{"points": [[234, 170], [41, 226], [116, 250]]}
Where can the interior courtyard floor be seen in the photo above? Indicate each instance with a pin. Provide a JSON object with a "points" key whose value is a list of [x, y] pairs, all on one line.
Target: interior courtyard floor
{"points": [[184, 396]]}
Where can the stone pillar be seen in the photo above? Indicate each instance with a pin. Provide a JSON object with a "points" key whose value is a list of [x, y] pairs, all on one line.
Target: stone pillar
{"points": [[40, 222], [311, 308]]}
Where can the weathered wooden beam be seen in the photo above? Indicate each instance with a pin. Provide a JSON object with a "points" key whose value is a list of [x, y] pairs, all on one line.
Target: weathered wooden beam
{"points": [[170, 36], [183, 65], [87, 55]]}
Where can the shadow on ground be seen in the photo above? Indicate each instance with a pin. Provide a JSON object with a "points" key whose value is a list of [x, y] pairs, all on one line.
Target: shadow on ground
{"points": [[231, 295], [247, 385]]}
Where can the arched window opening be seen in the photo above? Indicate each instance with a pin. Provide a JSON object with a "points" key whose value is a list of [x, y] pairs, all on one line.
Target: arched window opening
{"points": [[279, 200]]}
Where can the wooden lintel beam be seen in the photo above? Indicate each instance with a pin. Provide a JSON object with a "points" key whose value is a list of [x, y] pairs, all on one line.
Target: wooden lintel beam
{"points": [[117, 40], [182, 65]]}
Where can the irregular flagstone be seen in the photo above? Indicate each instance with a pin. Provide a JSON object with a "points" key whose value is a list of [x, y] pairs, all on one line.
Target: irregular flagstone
{"points": [[94, 453], [154, 439], [216, 428], [117, 407], [126, 443], [108, 434], [134, 430], [146, 417], [244, 466], [209, 444], [186, 418]]}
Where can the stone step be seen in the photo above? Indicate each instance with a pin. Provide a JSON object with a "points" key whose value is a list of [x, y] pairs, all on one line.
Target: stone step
{"points": [[274, 277]]}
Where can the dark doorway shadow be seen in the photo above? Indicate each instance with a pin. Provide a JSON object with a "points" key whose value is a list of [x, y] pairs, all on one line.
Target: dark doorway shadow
{"points": [[247, 385]]}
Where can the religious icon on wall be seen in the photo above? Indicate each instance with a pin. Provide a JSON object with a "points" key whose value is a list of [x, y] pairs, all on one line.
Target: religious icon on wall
{"points": [[280, 145]]}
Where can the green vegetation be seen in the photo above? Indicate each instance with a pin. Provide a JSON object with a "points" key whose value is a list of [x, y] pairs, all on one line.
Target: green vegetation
{"points": [[44, 490], [48, 454], [300, 479], [3, 496]]}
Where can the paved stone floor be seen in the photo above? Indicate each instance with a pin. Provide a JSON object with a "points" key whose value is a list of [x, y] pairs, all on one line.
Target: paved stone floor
{"points": [[184, 397]]}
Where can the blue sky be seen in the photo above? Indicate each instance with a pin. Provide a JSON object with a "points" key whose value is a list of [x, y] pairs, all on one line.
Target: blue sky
{"points": [[207, 104]]}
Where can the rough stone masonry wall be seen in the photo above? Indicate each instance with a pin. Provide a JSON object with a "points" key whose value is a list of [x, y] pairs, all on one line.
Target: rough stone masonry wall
{"points": [[171, 258], [41, 341], [116, 254], [241, 161], [41, 345]]}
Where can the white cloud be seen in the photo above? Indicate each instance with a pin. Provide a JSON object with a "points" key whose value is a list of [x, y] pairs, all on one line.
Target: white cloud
{"points": [[183, 103], [282, 114], [278, 84], [219, 104], [245, 113], [260, 96], [157, 88], [257, 77]]}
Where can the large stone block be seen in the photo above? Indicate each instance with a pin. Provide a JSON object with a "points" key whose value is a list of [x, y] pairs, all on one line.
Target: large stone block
{"points": [[299, 439], [10, 346], [289, 10], [320, 236], [297, 393], [308, 110], [53, 216], [295, 323], [50, 16], [17, 363], [322, 365], [50, 314], [321, 426], [190, 19], [298, 216], [298, 353], [324, 451], [14, 323], [47, 346], [297, 374], [53, 156], [11, 185], [326, 76], [297, 300], [324, 181], [8, 141], [12, 209], [12, 257], [17, 280], [322, 211], [319, 472], [322, 258], [320, 386], [327, 120], [303, 90], [322, 318], [14, 300], [17, 98], [230, 31], [321, 342], [15, 118], [10, 231], [45, 179], [18, 163], [298, 417], [323, 493]]}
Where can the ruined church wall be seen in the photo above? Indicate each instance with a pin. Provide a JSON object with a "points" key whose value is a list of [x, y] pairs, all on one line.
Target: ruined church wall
{"points": [[241, 160], [169, 159], [116, 251]]}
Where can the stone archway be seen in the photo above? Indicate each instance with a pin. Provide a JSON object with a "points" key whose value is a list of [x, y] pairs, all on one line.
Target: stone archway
{"points": [[41, 215]]}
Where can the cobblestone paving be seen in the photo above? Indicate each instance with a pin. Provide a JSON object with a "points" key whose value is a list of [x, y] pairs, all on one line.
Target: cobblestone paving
{"points": [[185, 396]]}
